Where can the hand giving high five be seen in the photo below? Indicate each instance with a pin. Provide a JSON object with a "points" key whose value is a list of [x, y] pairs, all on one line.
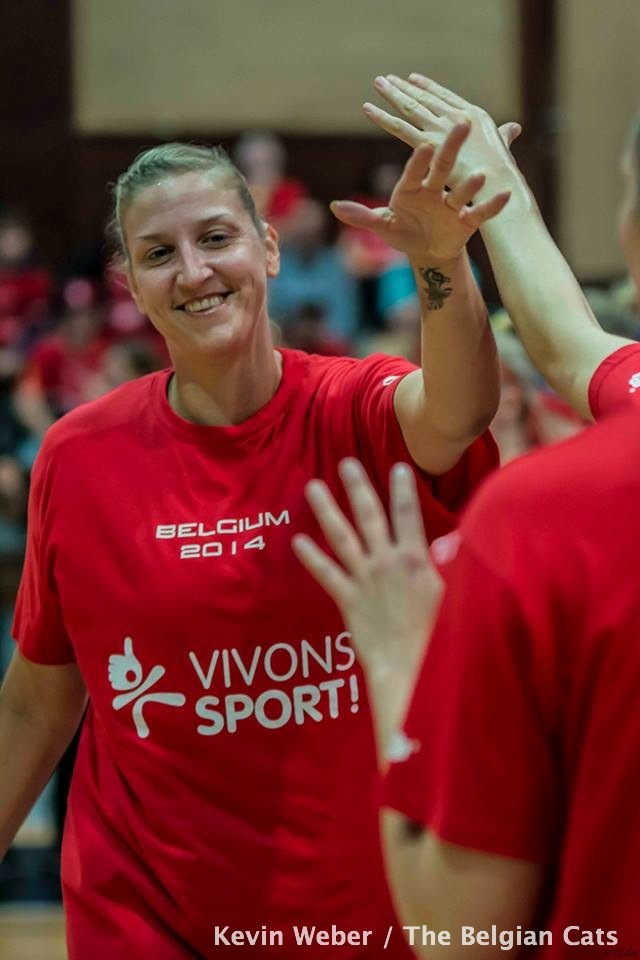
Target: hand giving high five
{"points": [[423, 219], [384, 583]]}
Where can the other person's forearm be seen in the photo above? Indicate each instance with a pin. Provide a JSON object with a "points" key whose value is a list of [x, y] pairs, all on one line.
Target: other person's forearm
{"points": [[542, 296]]}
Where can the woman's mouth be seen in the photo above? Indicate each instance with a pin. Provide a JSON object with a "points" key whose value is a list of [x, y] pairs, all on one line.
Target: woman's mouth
{"points": [[205, 305]]}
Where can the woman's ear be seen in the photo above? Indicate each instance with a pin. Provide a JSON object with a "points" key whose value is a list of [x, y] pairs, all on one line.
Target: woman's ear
{"points": [[273, 251]]}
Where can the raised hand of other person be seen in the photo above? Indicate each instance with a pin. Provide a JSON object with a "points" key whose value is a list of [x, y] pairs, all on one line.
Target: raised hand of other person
{"points": [[428, 114], [423, 219], [383, 580]]}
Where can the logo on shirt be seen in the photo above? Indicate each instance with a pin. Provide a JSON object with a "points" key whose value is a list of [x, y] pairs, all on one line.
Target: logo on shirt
{"points": [[389, 380], [325, 685], [400, 747], [126, 674], [444, 549], [634, 382]]}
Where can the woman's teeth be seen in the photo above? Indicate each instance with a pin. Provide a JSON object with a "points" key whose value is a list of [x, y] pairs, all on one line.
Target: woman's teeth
{"points": [[207, 303]]}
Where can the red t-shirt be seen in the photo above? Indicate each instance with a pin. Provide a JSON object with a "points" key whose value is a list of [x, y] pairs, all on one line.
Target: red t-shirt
{"points": [[524, 729], [226, 770], [616, 382]]}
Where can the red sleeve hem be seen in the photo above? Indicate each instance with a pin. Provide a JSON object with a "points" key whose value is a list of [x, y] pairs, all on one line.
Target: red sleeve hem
{"points": [[612, 383]]}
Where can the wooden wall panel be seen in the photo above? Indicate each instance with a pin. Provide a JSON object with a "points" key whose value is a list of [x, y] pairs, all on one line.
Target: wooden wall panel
{"points": [[299, 66]]}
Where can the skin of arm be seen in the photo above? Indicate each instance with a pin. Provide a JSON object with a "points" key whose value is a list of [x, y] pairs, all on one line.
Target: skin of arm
{"points": [[453, 398], [538, 289], [40, 710], [445, 406], [389, 593]]}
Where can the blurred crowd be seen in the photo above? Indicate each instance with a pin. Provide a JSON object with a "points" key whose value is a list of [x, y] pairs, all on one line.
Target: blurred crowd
{"points": [[65, 341]]}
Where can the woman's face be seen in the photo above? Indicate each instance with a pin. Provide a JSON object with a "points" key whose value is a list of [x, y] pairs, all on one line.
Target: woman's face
{"points": [[198, 267]]}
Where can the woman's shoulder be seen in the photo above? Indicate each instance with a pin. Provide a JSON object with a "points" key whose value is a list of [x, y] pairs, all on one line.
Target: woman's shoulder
{"points": [[125, 404]]}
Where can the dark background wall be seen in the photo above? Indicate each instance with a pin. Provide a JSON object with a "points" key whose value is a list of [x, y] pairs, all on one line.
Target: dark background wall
{"points": [[60, 176]]}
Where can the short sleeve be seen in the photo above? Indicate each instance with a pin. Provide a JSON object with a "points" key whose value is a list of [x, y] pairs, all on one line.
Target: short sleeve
{"points": [[480, 765], [615, 385], [38, 626], [383, 443]]}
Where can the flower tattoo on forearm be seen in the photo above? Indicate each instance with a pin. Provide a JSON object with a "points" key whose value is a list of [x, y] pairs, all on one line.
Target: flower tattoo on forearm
{"points": [[435, 288]]}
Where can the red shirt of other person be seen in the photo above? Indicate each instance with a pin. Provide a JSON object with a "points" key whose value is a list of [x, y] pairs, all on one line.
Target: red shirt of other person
{"points": [[523, 728]]}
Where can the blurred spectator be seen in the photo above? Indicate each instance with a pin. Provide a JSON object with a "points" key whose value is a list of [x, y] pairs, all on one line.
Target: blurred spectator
{"points": [[513, 426], [262, 158], [529, 414], [366, 255], [61, 367], [614, 310], [122, 361], [400, 334], [14, 433], [13, 508], [306, 330], [311, 271], [25, 287]]}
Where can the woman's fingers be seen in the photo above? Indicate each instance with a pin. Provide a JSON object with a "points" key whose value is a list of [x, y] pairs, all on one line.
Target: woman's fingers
{"points": [[442, 94], [428, 100], [340, 535], [397, 127], [509, 132], [464, 192], [322, 568], [475, 216], [357, 215], [368, 512], [409, 106], [416, 168], [445, 157], [406, 515]]}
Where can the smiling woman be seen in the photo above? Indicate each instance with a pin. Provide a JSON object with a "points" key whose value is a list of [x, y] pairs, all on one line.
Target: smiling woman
{"points": [[226, 769], [197, 258]]}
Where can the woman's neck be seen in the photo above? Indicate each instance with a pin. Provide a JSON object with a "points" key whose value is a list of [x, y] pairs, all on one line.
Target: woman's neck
{"points": [[226, 393]]}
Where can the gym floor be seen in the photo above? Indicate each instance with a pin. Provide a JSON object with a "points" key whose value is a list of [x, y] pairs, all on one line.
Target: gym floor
{"points": [[32, 932]]}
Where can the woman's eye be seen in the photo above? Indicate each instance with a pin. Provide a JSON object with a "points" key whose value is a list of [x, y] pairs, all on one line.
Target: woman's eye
{"points": [[215, 238], [157, 253]]}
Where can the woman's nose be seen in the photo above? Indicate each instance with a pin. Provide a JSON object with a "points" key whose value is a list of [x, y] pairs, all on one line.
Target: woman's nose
{"points": [[194, 268]]}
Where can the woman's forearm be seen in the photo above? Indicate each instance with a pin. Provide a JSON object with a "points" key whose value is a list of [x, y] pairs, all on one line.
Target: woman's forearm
{"points": [[36, 726]]}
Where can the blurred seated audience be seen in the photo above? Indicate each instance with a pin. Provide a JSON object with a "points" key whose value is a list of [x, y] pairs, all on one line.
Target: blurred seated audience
{"points": [[26, 287], [262, 158], [13, 508], [529, 414], [399, 335], [312, 271], [366, 255], [60, 367], [122, 361], [306, 330]]}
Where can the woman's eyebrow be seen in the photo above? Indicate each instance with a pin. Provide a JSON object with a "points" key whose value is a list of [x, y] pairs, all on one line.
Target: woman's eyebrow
{"points": [[202, 222]]}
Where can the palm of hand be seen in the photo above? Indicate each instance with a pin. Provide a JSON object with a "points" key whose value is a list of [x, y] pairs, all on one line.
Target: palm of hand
{"points": [[420, 224], [392, 602]]}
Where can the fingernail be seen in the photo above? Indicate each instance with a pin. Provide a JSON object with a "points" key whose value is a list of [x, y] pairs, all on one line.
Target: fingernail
{"points": [[368, 107], [350, 468], [391, 77], [401, 471], [380, 81], [314, 489]]}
